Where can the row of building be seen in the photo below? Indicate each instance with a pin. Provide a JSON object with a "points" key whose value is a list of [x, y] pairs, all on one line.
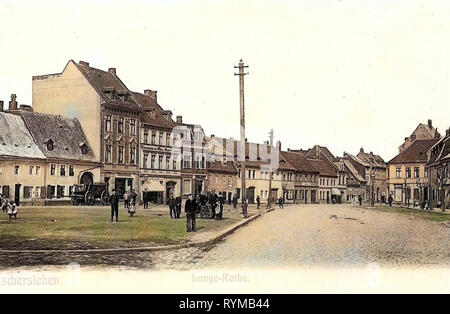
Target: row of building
{"points": [[86, 126]]}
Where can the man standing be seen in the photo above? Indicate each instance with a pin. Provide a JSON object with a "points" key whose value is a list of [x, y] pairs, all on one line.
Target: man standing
{"points": [[390, 200], [178, 205], [221, 201], [172, 209], [114, 201], [258, 202], [189, 208], [235, 200], [360, 200], [213, 203], [126, 200], [145, 199]]}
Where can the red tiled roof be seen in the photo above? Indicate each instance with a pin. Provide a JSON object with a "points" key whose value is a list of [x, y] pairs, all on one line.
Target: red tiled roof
{"points": [[416, 152], [326, 168], [299, 162]]}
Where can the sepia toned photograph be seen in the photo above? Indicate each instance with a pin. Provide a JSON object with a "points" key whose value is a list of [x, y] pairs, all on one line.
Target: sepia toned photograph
{"points": [[198, 148]]}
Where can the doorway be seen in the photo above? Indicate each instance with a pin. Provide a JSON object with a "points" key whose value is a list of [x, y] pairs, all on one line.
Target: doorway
{"points": [[251, 195], [17, 194]]}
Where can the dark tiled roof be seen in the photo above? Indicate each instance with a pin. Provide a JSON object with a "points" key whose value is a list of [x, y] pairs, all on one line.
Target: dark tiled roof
{"points": [[317, 150], [218, 166], [149, 104], [416, 152], [372, 160], [15, 139], [102, 80], [326, 168], [66, 134], [299, 162]]}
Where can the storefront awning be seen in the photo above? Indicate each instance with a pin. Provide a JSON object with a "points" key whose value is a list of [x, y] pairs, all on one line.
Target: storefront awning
{"points": [[153, 186], [335, 191]]}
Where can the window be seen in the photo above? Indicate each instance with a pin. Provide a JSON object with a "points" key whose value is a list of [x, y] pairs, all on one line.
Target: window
{"points": [[120, 126], [146, 138], [168, 139], [132, 155], [60, 191], [160, 164], [230, 180], [224, 180], [408, 172], [132, 127], [108, 153], [153, 137], [50, 145], [186, 161], [144, 160], [216, 179], [186, 187], [27, 191], [37, 170], [416, 172], [52, 169], [120, 155], [108, 123], [16, 170], [160, 138], [398, 172], [167, 162], [84, 149], [62, 170], [174, 161], [153, 162], [31, 170], [71, 171]]}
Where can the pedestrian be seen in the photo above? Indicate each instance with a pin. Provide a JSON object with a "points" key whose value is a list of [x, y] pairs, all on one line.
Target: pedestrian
{"points": [[390, 200], [213, 203], [360, 200], [145, 197], [258, 202], [280, 202], [245, 208], [178, 205], [4, 204], [126, 200], [189, 209], [221, 202], [12, 211], [172, 208], [235, 200], [114, 201], [133, 197]]}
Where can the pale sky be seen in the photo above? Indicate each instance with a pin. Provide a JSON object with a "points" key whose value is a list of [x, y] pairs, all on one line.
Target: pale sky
{"points": [[344, 74]]}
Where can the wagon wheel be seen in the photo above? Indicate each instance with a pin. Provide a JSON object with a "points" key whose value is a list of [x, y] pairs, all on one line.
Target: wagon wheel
{"points": [[89, 198], [105, 198]]}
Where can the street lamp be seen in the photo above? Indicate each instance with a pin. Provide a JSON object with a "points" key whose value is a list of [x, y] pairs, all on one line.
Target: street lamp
{"points": [[372, 177]]}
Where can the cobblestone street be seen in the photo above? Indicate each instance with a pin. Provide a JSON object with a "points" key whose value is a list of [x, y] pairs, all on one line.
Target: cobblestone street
{"points": [[332, 235]]}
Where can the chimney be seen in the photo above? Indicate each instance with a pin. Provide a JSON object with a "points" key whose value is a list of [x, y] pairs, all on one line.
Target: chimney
{"points": [[212, 135], [289, 149], [1, 105], [13, 102], [151, 93], [26, 108], [430, 123], [361, 150], [279, 146], [179, 119], [111, 70], [371, 153], [84, 63]]}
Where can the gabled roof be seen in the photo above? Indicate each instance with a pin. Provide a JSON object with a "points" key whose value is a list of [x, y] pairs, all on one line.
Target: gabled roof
{"points": [[102, 81], [317, 150], [148, 104], [15, 139], [326, 167], [352, 170], [416, 152], [372, 160], [440, 151], [218, 166], [66, 134], [299, 162]]}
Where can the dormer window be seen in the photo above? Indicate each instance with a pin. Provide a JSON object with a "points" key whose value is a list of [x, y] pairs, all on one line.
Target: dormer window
{"points": [[50, 145], [84, 149]]}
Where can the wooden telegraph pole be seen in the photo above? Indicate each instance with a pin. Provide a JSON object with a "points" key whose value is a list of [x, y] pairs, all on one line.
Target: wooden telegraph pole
{"points": [[241, 74]]}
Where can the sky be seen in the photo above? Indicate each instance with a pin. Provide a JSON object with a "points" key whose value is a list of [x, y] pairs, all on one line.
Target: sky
{"points": [[343, 74]]}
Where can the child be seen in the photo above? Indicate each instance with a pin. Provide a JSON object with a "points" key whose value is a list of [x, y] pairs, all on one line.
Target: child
{"points": [[12, 211]]}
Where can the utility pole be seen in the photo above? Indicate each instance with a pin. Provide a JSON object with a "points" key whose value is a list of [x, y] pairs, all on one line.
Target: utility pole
{"points": [[269, 199], [241, 74]]}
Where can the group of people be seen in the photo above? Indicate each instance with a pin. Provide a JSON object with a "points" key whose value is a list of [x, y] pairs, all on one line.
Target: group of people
{"points": [[129, 203], [9, 207], [174, 206]]}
